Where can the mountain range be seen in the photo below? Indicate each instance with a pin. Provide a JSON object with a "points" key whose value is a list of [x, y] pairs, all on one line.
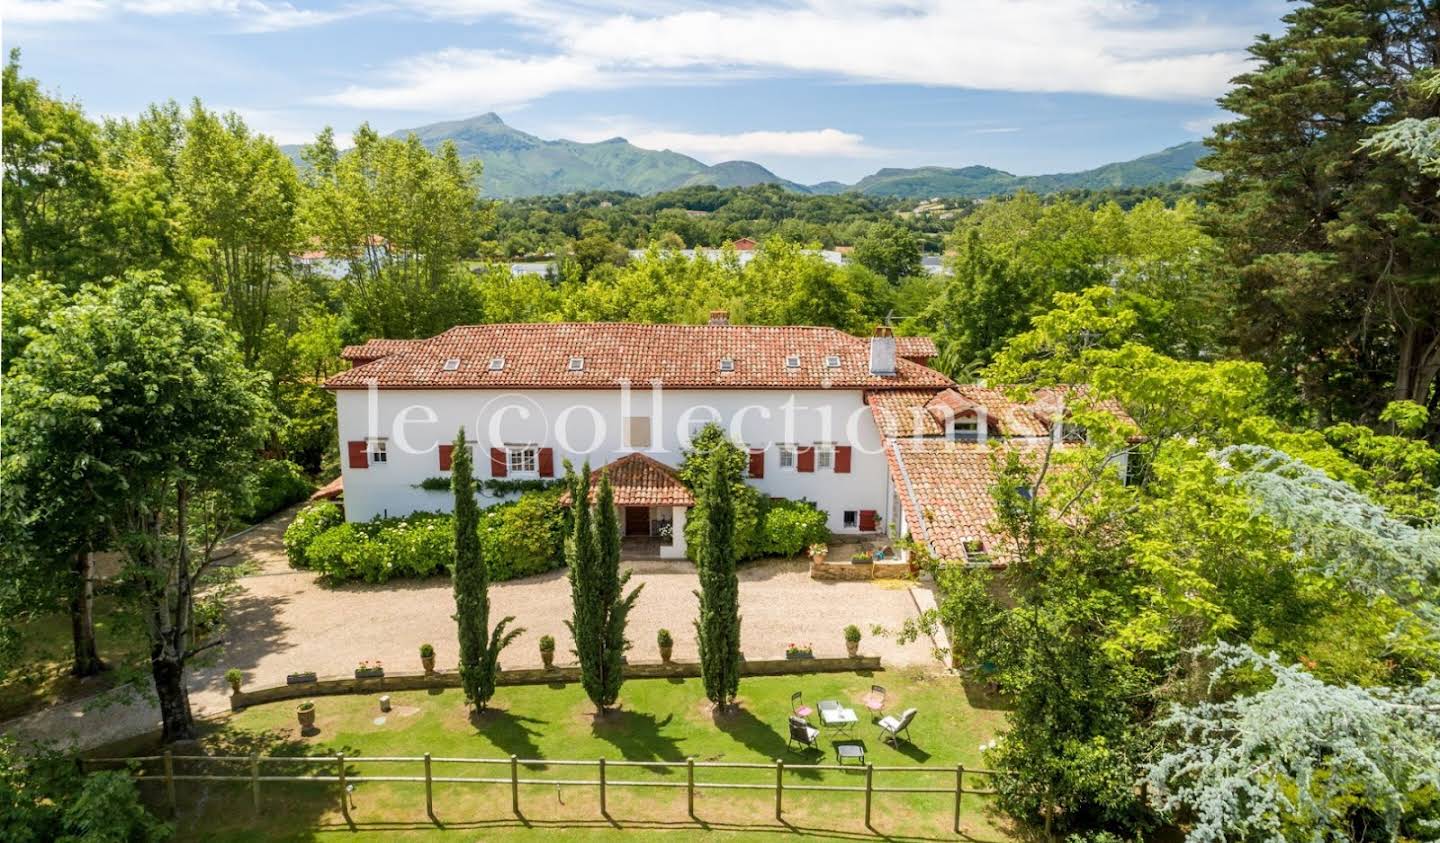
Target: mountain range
{"points": [[518, 164]]}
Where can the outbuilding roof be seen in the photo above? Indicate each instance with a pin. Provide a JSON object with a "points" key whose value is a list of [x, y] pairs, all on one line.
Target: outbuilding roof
{"points": [[641, 480], [598, 355]]}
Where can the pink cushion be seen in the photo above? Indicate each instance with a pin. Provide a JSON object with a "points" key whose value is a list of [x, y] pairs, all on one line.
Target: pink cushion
{"points": [[874, 703], [804, 711]]}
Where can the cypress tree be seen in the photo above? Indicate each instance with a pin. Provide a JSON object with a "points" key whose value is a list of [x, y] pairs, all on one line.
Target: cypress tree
{"points": [[718, 627], [600, 608], [478, 658]]}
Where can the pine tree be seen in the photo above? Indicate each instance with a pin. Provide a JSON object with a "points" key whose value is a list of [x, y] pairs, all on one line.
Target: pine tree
{"points": [[601, 609], [479, 659], [718, 627]]}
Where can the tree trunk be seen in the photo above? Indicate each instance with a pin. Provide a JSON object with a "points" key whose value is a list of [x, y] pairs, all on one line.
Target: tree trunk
{"points": [[82, 616], [176, 722]]}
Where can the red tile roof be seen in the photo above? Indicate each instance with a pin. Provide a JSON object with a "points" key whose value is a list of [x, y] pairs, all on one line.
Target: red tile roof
{"points": [[944, 489], [923, 412], [330, 491], [640, 480], [912, 347], [682, 356]]}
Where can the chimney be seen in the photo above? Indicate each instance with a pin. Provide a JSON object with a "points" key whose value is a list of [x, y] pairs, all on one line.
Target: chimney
{"points": [[719, 317], [882, 352]]}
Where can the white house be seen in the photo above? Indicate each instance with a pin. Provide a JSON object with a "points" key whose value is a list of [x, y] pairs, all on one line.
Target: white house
{"points": [[861, 427]]}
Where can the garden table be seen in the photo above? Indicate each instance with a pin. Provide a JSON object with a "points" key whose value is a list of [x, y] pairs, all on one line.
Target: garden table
{"points": [[836, 717]]}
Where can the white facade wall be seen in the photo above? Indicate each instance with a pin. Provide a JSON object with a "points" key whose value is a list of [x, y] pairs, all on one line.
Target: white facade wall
{"points": [[587, 424]]}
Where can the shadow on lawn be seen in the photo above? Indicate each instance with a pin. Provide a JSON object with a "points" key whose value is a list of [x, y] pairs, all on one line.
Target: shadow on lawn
{"points": [[638, 736], [760, 738], [510, 732]]}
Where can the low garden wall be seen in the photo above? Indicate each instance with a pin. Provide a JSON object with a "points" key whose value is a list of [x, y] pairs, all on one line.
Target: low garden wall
{"points": [[329, 686], [845, 571]]}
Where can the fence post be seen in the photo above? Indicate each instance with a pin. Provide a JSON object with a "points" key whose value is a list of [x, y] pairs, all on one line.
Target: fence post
{"points": [[690, 785], [429, 791], [959, 791], [515, 784], [255, 780], [779, 786], [869, 790], [344, 793], [603, 812], [170, 783]]}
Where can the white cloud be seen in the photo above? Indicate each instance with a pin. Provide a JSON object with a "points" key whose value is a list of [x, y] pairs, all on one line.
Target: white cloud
{"points": [[713, 147], [249, 15], [1203, 125], [1122, 48]]}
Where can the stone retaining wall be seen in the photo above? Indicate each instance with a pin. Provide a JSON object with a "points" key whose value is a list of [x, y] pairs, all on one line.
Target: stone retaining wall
{"points": [[853, 571], [329, 686]]}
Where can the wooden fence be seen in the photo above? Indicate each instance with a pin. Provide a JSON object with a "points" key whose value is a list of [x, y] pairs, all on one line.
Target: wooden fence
{"points": [[773, 778]]}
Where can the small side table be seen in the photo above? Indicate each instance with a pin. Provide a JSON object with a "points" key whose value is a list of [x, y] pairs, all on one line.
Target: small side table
{"points": [[853, 750]]}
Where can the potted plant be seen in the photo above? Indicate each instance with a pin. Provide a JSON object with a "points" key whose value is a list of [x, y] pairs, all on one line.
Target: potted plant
{"points": [[667, 644], [302, 678], [861, 558], [427, 658], [818, 552], [368, 669], [305, 713], [233, 676], [797, 651], [547, 650], [852, 640]]}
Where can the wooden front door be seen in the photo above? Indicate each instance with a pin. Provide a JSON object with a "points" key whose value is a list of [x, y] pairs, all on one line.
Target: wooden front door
{"points": [[637, 520]]}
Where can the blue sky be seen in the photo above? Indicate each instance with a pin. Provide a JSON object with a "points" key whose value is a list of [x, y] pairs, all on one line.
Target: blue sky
{"points": [[813, 89]]}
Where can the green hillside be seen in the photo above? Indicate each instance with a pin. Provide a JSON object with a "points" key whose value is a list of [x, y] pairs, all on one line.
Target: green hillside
{"points": [[519, 164]]}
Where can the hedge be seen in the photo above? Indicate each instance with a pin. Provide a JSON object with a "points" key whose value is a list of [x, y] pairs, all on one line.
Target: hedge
{"points": [[764, 526], [275, 485], [520, 538]]}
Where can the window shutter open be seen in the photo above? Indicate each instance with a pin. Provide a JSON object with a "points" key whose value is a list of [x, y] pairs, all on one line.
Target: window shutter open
{"points": [[445, 454], [498, 466], [842, 459], [867, 520], [757, 462], [547, 462], [359, 454], [805, 458]]}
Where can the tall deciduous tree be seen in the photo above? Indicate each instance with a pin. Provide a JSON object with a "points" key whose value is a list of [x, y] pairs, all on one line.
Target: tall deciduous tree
{"points": [[402, 217], [149, 405], [479, 657], [718, 626], [1336, 245], [597, 588], [889, 249]]}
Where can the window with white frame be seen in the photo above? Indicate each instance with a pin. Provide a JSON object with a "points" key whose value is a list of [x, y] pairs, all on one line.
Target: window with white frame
{"points": [[522, 459], [637, 431], [965, 429], [377, 451], [824, 456], [577, 364], [792, 361], [1073, 433], [787, 457]]}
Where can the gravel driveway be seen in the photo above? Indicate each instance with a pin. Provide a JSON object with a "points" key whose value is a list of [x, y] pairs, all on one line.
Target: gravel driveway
{"points": [[284, 621]]}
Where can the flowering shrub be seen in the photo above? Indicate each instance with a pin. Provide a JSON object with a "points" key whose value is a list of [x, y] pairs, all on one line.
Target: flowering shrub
{"points": [[789, 527], [309, 523], [519, 538]]}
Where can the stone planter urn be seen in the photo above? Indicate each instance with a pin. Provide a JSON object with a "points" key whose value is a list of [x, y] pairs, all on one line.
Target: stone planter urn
{"points": [[665, 653], [547, 656], [427, 658], [853, 648], [305, 713]]}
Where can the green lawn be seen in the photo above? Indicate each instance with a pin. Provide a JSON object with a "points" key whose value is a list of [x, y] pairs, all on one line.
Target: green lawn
{"points": [[659, 720], [41, 676]]}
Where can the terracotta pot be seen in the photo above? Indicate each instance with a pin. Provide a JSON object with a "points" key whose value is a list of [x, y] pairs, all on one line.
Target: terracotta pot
{"points": [[548, 657], [665, 653], [853, 648], [428, 662], [306, 717]]}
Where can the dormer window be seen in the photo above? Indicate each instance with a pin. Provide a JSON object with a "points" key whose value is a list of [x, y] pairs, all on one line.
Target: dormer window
{"points": [[976, 552], [497, 364], [577, 364], [965, 429], [832, 362], [792, 361], [452, 364], [727, 364]]}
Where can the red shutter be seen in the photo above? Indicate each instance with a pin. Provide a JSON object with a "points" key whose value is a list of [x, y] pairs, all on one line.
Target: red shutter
{"points": [[498, 465], [359, 454], [547, 462], [805, 459], [867, 520], [757, 462], [445, 452], [842, 459]]}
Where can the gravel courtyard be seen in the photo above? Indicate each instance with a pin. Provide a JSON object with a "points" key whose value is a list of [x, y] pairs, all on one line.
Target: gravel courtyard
{"points": [[283, 621]]}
